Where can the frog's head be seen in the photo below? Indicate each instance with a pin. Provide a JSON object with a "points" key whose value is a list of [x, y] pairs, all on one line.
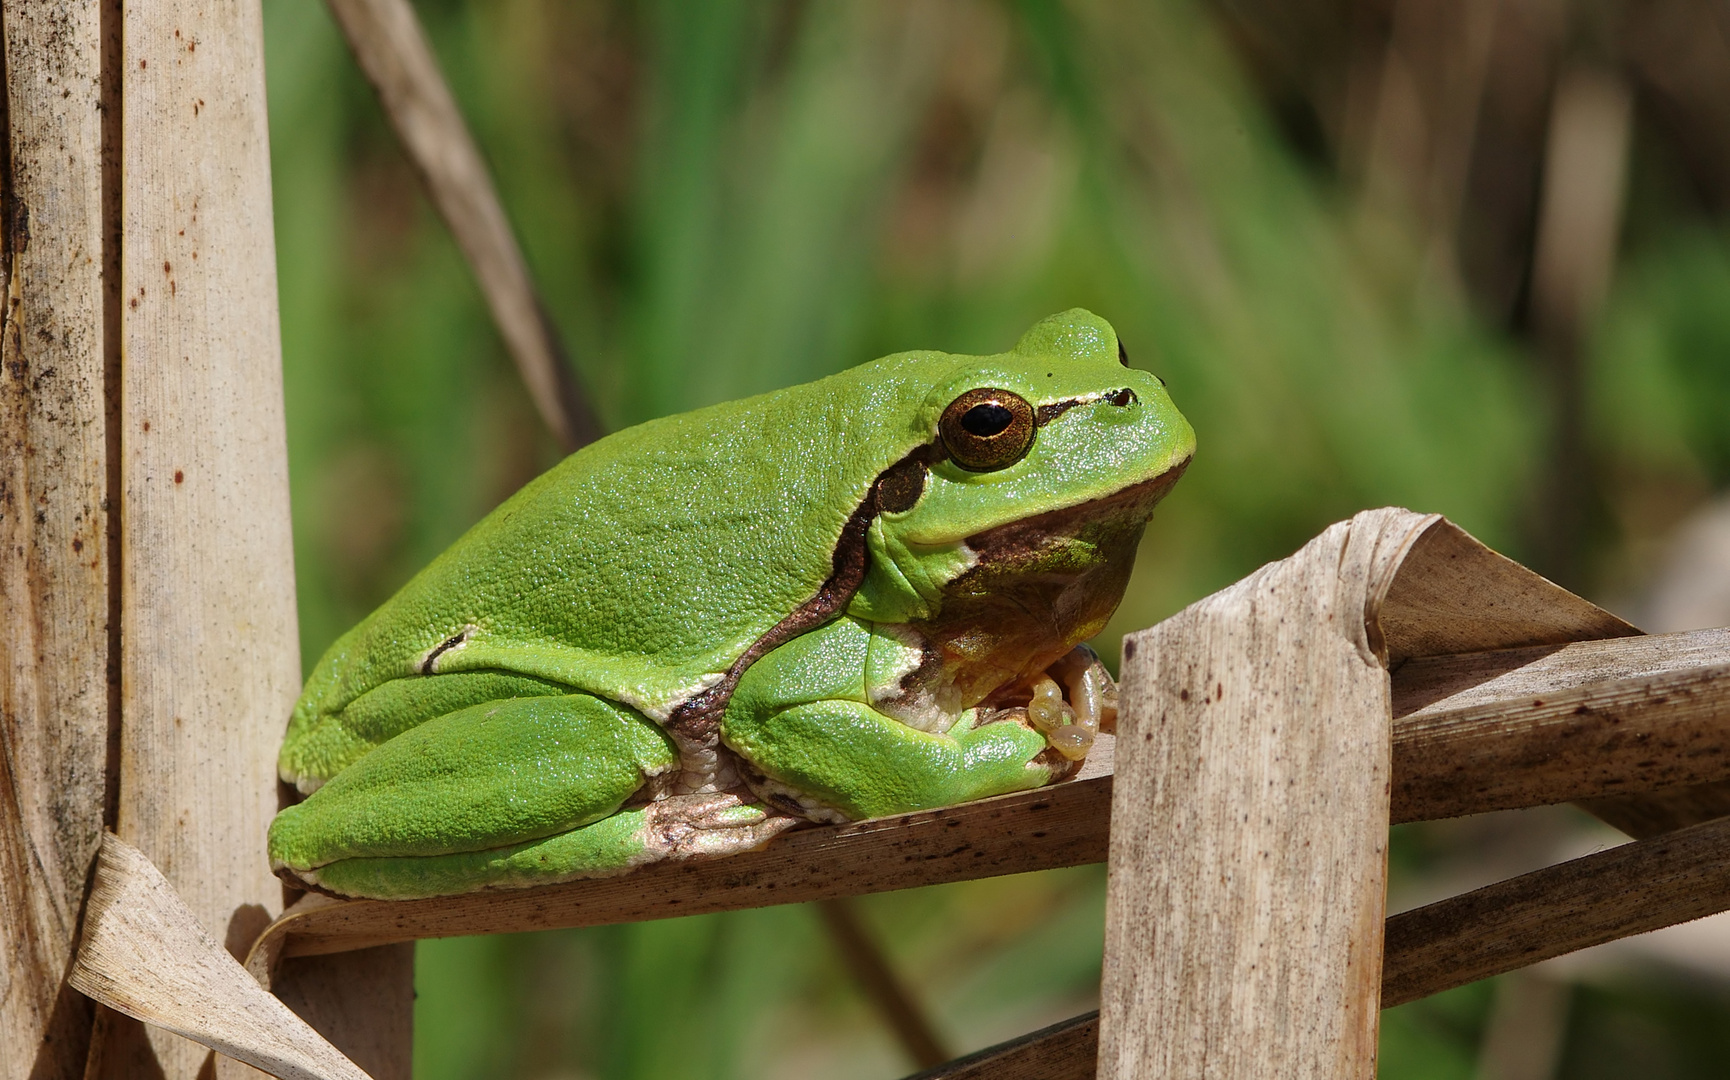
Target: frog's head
{"points": [[1010, 535]]}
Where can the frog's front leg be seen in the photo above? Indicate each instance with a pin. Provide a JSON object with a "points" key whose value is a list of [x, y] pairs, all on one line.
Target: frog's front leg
{"points": [[507, 793], [802, 717]]}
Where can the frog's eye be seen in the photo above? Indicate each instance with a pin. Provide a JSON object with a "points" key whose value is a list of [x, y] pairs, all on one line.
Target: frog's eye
{"points": [[987, 429]]}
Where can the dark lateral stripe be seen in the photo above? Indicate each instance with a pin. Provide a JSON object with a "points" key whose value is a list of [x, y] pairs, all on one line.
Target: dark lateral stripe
{"points": [[1047, 413]]}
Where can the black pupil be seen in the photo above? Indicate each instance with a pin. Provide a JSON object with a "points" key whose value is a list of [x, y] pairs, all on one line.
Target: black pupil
{"points": [[987, 419]]}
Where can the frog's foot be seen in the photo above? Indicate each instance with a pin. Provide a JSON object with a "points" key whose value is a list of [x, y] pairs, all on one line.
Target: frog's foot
{"points": [[791, 800], [709, 825], [473, 783], [679, 827], [1069, 702]]}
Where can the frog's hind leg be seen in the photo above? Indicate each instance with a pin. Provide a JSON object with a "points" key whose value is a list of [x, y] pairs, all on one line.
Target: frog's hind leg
{"points": [[506, 793], [678, 827]]}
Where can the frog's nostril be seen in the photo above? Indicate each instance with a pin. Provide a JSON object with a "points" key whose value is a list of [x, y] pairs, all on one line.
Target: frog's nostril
{"points": [[1122, 398]]}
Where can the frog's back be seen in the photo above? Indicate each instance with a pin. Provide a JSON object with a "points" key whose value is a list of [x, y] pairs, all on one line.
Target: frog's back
{"points": [[640, 567]]}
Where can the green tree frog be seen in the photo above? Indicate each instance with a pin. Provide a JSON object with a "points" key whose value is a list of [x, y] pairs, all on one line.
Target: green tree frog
{"points": [[856, 597]]}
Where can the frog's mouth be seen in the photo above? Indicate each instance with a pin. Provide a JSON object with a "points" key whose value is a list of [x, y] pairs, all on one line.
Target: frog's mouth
{"points": [[1039, 587]]}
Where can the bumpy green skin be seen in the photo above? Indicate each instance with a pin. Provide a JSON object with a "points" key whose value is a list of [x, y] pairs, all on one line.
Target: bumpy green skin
{"points": [[631, 576]]}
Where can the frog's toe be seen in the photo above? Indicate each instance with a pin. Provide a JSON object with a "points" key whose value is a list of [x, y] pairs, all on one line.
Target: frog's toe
{"points": [[691, 826], [288, 852], [1065, 748], [1070, 702]]}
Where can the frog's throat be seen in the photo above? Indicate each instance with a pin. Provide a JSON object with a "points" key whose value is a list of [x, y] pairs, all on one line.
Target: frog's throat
{"points": [[1037, 588]]}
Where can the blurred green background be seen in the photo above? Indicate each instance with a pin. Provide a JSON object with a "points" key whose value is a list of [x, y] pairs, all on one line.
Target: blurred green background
{"points": [[1356, 237]]}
